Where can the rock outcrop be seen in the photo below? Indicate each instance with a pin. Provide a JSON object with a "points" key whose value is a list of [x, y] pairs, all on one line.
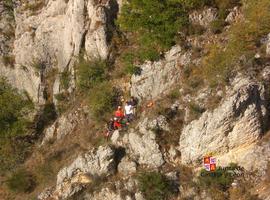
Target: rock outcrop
{"points": [[157, 78], [94, 164], [51, 35], [204, 17], [232, 128], [64, 125], [143, 146]]}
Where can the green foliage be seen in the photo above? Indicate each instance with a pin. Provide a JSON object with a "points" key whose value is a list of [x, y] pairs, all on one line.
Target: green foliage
{"points": [[9, 60], [102, 100], [90, 73], [9, 6], [21, 181], [221, 178], [243, 38], [65, 79], [156, 22], [217, 26], [13, 111], [195, 4], [154, 186], [174, 94], [47, 116], [12, 153], [153, 26], [63, 102]]}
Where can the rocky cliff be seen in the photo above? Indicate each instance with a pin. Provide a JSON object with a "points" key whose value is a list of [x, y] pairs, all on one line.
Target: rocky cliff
{"points": [[181, 117]]}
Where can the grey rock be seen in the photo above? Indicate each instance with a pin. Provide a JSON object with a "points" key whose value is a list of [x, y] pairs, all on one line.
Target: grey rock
{"points": [[266, 73], [64, 125], [71, 179], [237, 123], [53, 36], [235, 15], [157, 78], [139, 196], [106, 194], [96, 163], [159, 123], [127, 166], [203, 17], [268, 45], [144, 148]]}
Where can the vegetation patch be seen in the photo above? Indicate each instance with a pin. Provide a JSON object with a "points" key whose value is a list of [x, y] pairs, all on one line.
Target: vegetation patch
{"points": [[154, 186], [102, 100], [14, 111], [220, 179], [21, 181], [90, 73], [222, 61]]}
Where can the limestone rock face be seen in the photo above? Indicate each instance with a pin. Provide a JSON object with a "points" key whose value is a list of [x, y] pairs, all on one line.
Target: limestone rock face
{"points": [[158, 77], [268, 45], [95, 163], [144, 147], [204, 17], [64, 125], [235, 15], [106, 194], [127, 166], [6, 30], [51, 38], [232, 127]]}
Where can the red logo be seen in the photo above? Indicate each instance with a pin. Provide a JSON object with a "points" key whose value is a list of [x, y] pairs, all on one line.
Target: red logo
{"points": [[209, 163]]}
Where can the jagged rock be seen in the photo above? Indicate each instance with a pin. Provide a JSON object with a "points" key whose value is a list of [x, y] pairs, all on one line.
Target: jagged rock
{"points": [[157, 78], [172, 156], [139, 196], [253, 157], [235, 125], [204, 17], [235, 15], [159, 123], [266, 73], [53, 35], [268, 45], [7, 35], [143, 146], [127, 166], [95, 163], [64, 125], [106, 194]]}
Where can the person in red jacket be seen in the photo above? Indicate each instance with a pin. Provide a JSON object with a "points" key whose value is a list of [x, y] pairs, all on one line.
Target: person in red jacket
{"points": [[119, 113], [117, 124]]}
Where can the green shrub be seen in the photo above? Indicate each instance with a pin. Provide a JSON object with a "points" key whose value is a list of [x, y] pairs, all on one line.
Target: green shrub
{"points": [[154, 186], [13, 152], [156, 22], [153, 26], [102, 100], [9, 60], [221, 178], [174, 94], [63, 102], [65, 79], [90, 73], [14, 110], [47, 116], [243, 38], [21, 181], [217, 26]]}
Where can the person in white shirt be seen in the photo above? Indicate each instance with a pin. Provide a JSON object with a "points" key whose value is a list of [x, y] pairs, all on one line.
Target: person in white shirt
{"points": [[129, 114]]}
